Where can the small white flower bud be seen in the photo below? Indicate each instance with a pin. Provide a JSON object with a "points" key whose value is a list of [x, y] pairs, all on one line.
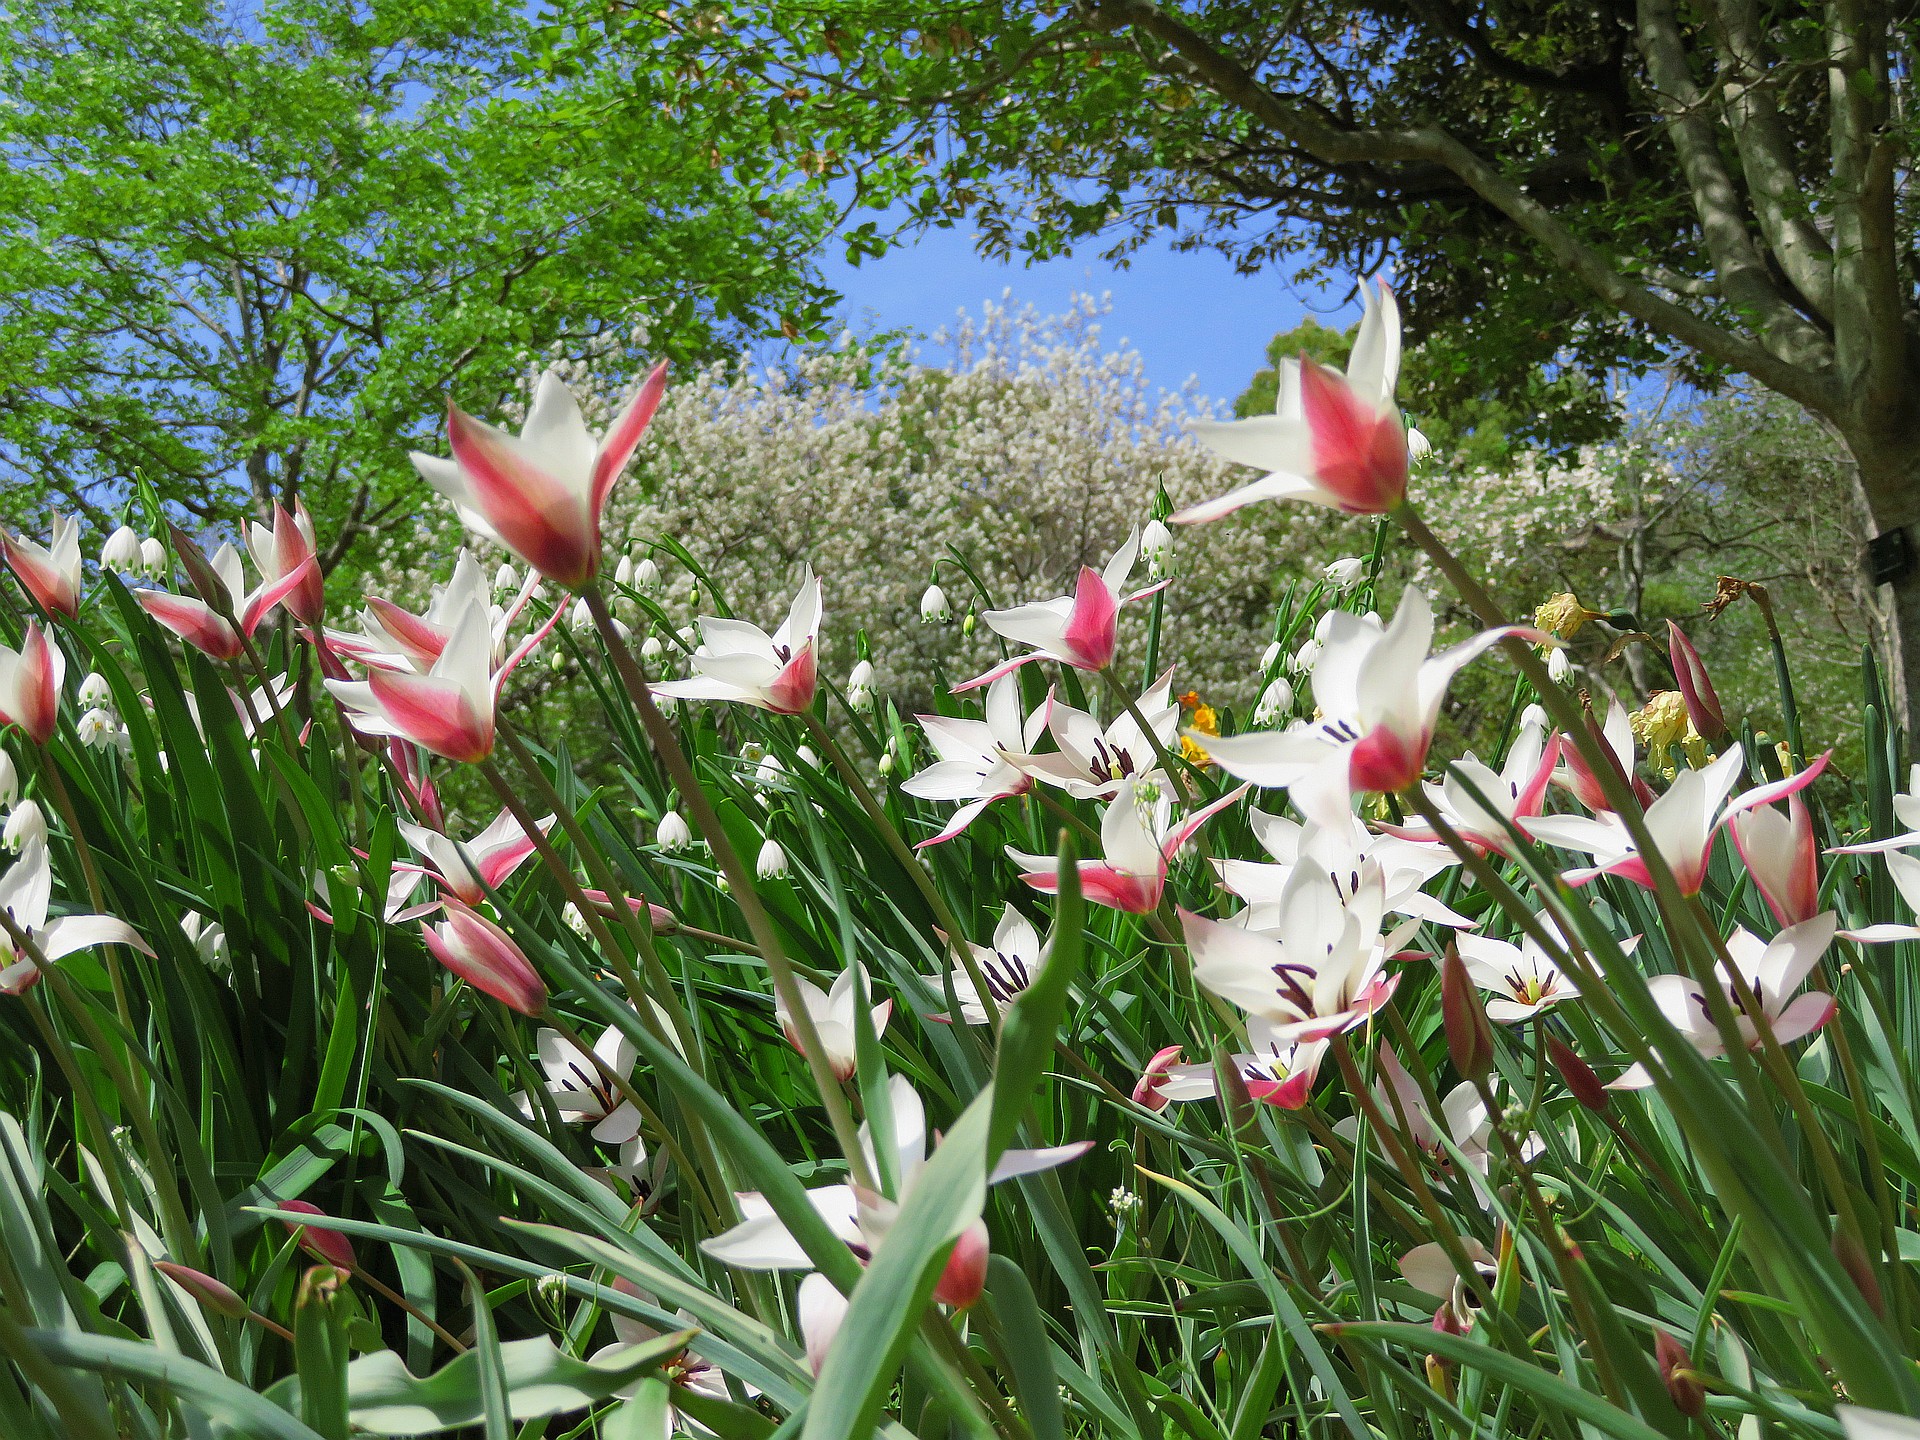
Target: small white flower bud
{"points": [[122, 551], [9, 780], [580, 618], [672, 833], [505, 580], [1156, 544], [153, 557], [1346, 573], [646, 576], [26, 824], [807, 758], [1558, 665], [933, 607], [94, 690], [623, 572], [967, 624], [886, 764], [1275, 701], [1268, 656], [860, 686], [772, 863], [556, 660], [651, 648]]}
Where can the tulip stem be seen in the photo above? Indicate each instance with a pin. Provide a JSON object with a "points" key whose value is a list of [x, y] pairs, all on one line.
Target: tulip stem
{"points": [[667, 746]]}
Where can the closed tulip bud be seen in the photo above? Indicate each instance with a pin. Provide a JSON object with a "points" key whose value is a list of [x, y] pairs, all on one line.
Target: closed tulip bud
{"points": [[216, 1295], [1153, 1080], [30, 680], [1581, 1082], [860, 686], [934, 609], [26, 825], [122, 551], [1469, 1034], [328, 1245], [1696, 687], [1676, 1372], [772, 861], [153, 557]]}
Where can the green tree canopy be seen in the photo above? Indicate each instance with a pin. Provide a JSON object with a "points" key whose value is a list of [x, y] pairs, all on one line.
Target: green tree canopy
{"points": [[247, 253]]}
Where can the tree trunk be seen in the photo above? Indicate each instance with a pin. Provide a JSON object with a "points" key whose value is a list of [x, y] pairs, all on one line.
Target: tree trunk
{"points": [[1887, 461]]}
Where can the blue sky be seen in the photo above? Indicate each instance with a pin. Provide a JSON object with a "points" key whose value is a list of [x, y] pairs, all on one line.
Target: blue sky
{"points": [[1188, 314]]}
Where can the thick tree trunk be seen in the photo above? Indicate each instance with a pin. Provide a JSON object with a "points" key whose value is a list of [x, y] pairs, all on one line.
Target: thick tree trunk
{"points": [[1888, 461]]}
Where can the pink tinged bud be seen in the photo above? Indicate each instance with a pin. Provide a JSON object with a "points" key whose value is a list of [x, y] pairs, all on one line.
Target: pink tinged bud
{"points": [[1154, 1079], [49, 575], [1581, 1082], [965, 1277], [1696, 688], [1385, 761], [1359, 453], [1469, 1034], [1092, 626], [30, 684], [328, 1245], [216, 1295], [484, 955], [1676, 1372]]}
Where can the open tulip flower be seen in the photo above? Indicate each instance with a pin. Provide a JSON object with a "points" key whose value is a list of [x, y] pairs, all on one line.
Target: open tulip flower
{"points": [[1318, 970], [1616, 740], [1338, 852], [1139, 837], [26, 891], [1766, 973], [541, 494], [761, 1241], [1461, 1129], [399, 639], [1682, 822], [1521, 977], [1276, 1071], [1782, 856], [580, 1090], [1008, 966], [51, 572], [1478, 803], [286, 549], [1092, 760], [30, 680], [1379, 693], [1080, 630], [206, 628], [468, 871], [832, 1013], [976, 759], [449, 709], [1333, 439], [740, 662]]}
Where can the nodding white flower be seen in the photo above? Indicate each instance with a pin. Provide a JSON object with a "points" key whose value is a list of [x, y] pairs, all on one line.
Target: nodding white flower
{"points": [[860, 687], [50, 573], [1765, 974], [98, 728], [9, 780], [209, 939], [672, 833], [122, 551], [207, 629], [651, 648], [1345, 573], [979, 761], [861, 1219], [580, 618], [580, 1089], [25, 892], [1139, 837], [1156, 546], [506, 579], [1302, 661], [1559, 666], [623, 572], [769, 772], [832, 1013], [1418, 446], [1275, 1070], [934, 609], [806, 756], [94, 690], [30, 680], [1379, 693], [1008, 966], [1319, 970], [740, 662], [1092, 762], [153, 557], [471, 868], [1333, 439], [772, 861], [26, 826], [1269, 655], [449, 710], [646, 576], [541, 494], [1080, 630], [1275, 701], [1683, 823]]}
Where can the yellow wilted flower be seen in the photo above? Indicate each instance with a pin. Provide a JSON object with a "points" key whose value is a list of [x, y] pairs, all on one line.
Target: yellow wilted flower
{"points": [[1661, 724], [1563, 615]]}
